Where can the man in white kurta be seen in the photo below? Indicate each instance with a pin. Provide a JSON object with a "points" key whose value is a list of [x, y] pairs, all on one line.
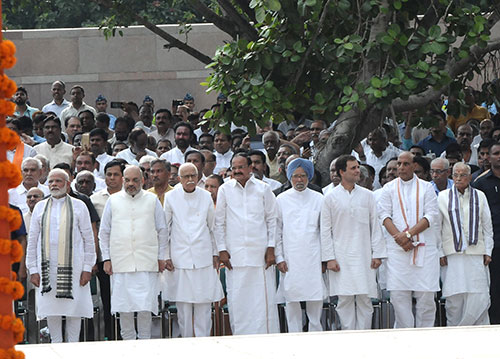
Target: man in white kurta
{"points": [[408, 210], [467, 243], [245, 233], [298, 248], [133, 240], [54, 303], [191, 278], [352, 245]]}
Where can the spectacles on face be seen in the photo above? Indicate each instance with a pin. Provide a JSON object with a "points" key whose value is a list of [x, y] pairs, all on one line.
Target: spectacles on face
{"points": [[464, 134], [301, 176], [460, 175]]}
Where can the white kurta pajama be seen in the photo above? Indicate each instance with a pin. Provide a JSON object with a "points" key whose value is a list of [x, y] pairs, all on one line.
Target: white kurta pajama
{"points": [[134, 244], [194, 283], [351, 234], [298, 245], [84, 257], [465, 278], [409, 275], [245, 226]]}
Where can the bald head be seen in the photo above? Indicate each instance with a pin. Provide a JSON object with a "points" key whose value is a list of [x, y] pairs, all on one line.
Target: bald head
{"points": [[34, 196]]}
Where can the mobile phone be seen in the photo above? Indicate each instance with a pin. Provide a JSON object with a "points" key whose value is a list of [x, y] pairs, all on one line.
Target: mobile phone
{"points": [[86, 141], [116, 104]]}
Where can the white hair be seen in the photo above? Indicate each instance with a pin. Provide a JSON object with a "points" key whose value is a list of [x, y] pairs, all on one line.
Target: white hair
{"points": [[461, 166], [31, 159], [43, 159], [186, 166], [270, 133], [58, 171], [444, 161], [147, 159]]}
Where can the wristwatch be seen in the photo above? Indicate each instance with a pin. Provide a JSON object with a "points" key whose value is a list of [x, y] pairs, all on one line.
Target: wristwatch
{"points": [[408, 235]]}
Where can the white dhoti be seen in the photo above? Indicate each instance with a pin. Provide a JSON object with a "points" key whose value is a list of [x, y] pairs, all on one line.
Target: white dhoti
{"points": [[466, 283], [194, 291], [251, 300], [134, 292]]}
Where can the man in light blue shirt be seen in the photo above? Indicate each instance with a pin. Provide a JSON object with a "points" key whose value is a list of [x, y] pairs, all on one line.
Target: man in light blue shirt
{"points": [[440, 172], [20, 98]]}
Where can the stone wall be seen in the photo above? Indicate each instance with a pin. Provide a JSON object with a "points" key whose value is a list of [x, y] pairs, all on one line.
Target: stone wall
{"points": [[121, 68]]}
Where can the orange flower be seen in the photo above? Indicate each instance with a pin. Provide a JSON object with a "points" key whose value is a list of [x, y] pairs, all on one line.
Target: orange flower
{"points": [[7, 107], [10, 215], [7, 51], [7, 87], [11, 354], [7, 136], [16, 251], [5, 246]]}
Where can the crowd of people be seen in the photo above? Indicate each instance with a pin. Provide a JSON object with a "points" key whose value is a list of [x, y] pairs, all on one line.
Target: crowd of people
{"points": [[153, 201]]}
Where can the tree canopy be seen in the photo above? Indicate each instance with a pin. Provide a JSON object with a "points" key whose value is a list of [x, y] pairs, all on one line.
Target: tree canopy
{"points": [[352, 61]]}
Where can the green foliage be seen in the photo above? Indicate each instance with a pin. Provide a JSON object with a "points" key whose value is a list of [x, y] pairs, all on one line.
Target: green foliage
{"points": [[41, 14], [299, 66]]}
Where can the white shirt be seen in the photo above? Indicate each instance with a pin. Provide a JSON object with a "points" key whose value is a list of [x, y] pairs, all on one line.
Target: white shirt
{"points": [[17, 196], [99, 200], [103, 159], [223, 160], [54, 107], [105, 230], [169, 135], [298, 243], [351, 234], [273, 183], [175, 155], [84, 257], [245, 221], [62, 152], [28, 152], [328, 188], [128, 156], [402, 274], [70, 111], [190, 222], [378, 162]]}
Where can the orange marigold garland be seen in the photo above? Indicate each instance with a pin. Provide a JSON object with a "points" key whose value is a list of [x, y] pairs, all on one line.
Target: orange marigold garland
{"points": [[11, 354], [7, 51], [7, 108], [12, 248], [13, 288], [12, 216], [8, 137], [12, 329]]}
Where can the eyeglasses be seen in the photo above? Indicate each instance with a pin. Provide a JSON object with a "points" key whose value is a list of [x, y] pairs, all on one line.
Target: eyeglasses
{"points": [[464, 134], [438, 172], [460, 175], [302, 176]]}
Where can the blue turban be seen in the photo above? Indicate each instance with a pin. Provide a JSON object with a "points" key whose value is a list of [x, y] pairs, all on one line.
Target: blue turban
{"points": [[188, 97], [101, 98], [306, 165]]}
